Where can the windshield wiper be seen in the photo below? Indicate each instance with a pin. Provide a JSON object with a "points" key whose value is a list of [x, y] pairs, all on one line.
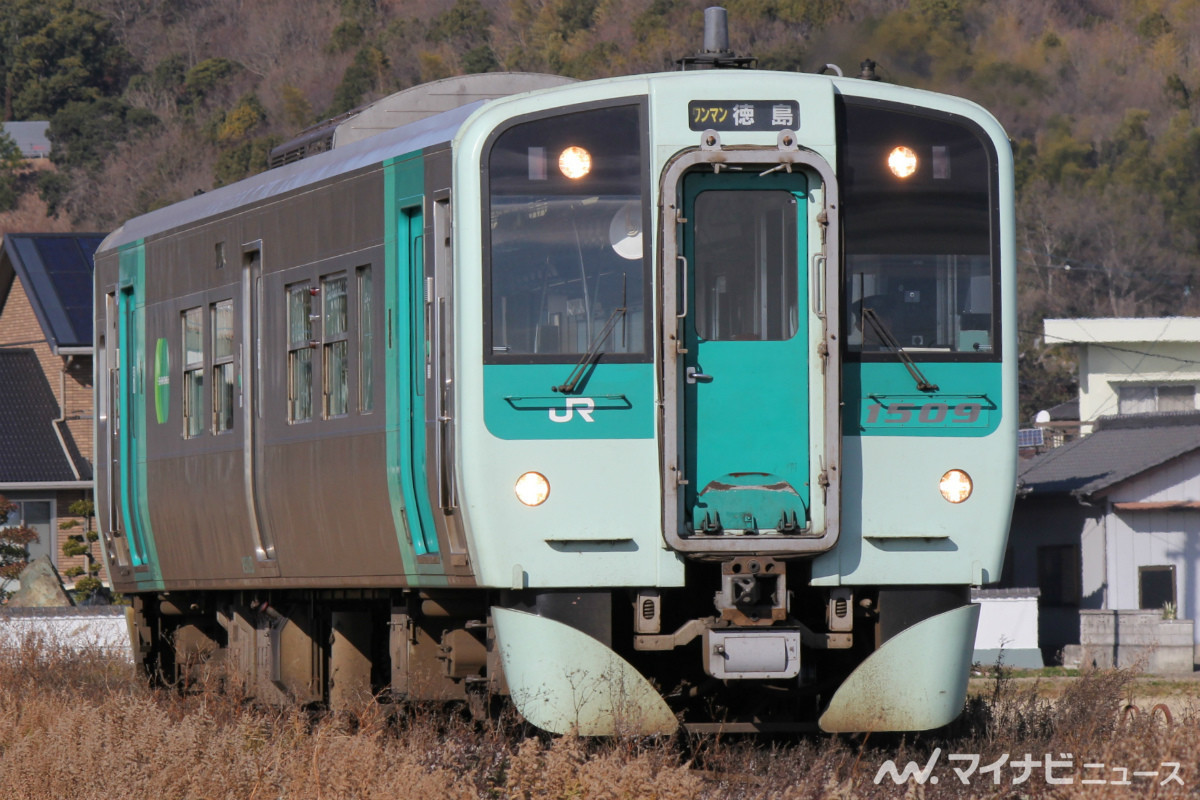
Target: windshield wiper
{"points": [[889, 341], [593, 351]]}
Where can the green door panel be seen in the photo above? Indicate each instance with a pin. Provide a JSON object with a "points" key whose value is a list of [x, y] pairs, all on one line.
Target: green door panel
{"points": [[746, 394], [404, 375], [132, 344]]}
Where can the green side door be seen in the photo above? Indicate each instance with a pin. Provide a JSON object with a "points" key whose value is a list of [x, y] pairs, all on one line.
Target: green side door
{"points": [[746, 392], [413, 364]]}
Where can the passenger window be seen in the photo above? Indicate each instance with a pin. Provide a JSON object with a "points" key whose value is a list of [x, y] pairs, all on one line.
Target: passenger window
{"points": [[366, 341], [299, 360], [223, 378], [193, 372], [335, 365]]}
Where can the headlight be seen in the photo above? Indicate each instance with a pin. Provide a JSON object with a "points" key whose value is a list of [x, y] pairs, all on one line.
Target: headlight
{"points": [[955, 486], [532, 488], [902, 161], [575, 162]]}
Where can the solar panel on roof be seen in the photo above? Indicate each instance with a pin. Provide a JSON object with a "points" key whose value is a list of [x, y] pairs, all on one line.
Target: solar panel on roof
{"points": [[70, 268], [57, 272], [1030, 437]]}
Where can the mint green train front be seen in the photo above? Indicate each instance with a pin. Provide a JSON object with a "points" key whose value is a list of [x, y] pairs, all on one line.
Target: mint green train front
{"points": [[675, 399], [734, 369]]}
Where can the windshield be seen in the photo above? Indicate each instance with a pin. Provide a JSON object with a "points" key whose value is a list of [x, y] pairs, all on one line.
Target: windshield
{"points": [[566, 212], [918, 244]]}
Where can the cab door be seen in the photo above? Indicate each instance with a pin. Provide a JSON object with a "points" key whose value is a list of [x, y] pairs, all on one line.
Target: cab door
{"points": [[746, 393]]}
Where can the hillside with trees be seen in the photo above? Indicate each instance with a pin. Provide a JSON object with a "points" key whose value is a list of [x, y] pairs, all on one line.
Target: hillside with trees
{"points": [[150, 101]]}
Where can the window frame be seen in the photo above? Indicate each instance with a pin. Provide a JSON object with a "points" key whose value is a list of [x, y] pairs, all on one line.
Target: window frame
{"points": [[296, 347], [995, 354], [54, 545], [640, 102], [1169, 569], [193, 426], [365, 337], [790, 318], [222, 364], [330, 343], [1157, 388]]}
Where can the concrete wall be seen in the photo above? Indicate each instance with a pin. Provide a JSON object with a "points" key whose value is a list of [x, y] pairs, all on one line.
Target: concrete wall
{"points": [[1008, 627], [106, 628], [1141, 639]]}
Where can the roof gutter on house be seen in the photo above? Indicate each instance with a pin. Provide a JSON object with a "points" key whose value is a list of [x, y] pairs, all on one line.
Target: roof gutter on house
{"points": [[36, 486], [58, 422]]}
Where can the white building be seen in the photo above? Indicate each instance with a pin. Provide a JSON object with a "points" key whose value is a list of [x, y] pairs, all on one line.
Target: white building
{"points": [[1132, 366], [1111, 522]]}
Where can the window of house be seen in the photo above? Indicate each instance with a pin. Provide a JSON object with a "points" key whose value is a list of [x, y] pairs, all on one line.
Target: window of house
{"points": [[335, 354], [1059, 569], [222, 390], [299, 360], [366, 341], [1156, 586], [37, 515], [193, 372], [1152, 399]]}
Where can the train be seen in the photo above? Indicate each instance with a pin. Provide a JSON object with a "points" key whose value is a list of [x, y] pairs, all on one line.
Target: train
{"points": [[674, 400]]}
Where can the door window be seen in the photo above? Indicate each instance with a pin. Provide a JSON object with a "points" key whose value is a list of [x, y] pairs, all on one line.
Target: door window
{"points": [[746, 266]]}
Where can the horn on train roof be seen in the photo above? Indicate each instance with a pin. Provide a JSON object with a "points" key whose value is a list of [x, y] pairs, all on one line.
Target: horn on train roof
{"points": [[716, 53]]}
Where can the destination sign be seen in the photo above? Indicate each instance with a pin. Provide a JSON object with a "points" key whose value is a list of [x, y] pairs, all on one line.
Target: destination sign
{"points": [[743, 115]]}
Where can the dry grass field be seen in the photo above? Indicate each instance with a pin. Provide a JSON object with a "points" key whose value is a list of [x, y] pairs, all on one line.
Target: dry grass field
{"points": [[80, 726]]}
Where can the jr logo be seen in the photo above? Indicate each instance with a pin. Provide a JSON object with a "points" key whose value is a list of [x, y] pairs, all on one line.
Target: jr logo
{"points": [[583, 406]]}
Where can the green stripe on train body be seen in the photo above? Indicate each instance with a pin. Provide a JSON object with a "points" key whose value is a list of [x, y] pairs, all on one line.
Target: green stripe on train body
{"points": [[404, 199], [617, 402], [133, 409], [882, 399]]}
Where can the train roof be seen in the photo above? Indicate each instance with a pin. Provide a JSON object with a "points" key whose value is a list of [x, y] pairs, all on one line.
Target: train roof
{"points": [[439, 128], [428, 132]]}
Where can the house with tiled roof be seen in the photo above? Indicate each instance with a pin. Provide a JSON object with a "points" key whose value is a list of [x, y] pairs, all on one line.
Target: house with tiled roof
{"points": [[46, 448], [1109, 525]]}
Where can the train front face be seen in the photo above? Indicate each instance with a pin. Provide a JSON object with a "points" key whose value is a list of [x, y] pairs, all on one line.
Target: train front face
{"points": [[744, 436]]}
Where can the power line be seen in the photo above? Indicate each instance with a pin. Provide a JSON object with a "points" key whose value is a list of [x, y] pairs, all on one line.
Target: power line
{"points": [[1113, 347]]}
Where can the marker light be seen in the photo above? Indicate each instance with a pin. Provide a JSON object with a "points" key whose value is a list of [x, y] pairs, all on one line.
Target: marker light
{"points": [[955, 486], [532, 488], [902, 161], [575, 162]]}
